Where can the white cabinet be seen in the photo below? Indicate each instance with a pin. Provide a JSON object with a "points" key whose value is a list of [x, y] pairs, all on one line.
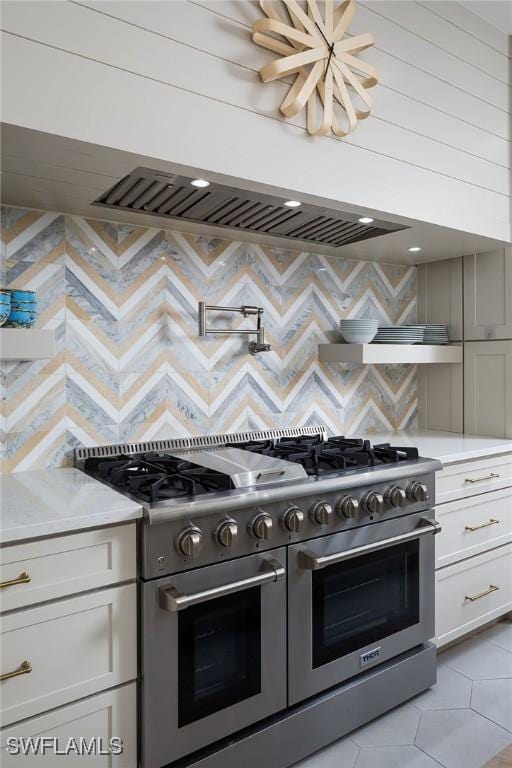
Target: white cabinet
{"points": [[43, 570], [68, 644], [481, 523], [440, 401], [488, 295], [474, 547], [473, 592], [74, 647], [477, 476], [440, 295], [488, 388], [440, 388], [95, 721]]}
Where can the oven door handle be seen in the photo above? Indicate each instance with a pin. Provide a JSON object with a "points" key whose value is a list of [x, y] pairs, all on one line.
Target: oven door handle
{"points": [[172, 600], [311, 562]]}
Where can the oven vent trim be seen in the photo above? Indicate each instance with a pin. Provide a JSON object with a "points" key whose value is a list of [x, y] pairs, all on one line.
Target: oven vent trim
{"points": [[155, 193], [190, 443]]}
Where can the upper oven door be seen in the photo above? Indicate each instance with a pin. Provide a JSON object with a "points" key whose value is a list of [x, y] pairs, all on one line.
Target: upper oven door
{"points": [[213, 653], [358, 598]]}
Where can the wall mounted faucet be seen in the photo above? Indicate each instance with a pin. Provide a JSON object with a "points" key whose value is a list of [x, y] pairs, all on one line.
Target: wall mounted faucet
{"points": [[254, 346]]}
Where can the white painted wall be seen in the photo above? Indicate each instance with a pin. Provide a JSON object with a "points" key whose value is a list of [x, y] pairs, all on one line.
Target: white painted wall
{"points": [[178, 80]]}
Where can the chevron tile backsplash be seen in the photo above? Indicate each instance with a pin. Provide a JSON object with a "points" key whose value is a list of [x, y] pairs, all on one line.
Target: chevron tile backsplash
{"points": [[130, 365]]}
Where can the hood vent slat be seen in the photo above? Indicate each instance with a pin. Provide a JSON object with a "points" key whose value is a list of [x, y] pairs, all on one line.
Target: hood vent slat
{"points": [[160, 194]]}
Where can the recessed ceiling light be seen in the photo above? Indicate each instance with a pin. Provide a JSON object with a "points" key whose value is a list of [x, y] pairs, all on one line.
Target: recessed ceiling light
{"points": [[414, 249], [200, 183], [365, 220], [293, 203]]}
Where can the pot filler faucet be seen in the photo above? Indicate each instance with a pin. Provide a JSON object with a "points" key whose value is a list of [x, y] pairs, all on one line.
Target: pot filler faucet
{"points": [[254, 346]]}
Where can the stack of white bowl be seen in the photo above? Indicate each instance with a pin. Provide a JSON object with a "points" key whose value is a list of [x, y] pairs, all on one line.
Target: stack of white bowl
{"points": [[359, 331]]}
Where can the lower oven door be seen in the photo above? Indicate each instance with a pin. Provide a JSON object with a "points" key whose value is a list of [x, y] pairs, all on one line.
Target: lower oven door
{"points": [[358, 598], [213, 653]]}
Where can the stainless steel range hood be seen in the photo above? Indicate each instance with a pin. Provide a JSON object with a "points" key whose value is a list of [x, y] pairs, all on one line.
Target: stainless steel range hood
{"points": [[149, 191]]}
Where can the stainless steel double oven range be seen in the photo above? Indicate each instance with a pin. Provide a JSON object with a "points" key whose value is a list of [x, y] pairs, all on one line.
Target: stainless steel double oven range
{"points": [[287, 592]]}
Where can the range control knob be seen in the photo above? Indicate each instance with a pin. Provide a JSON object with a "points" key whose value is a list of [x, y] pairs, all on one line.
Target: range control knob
{"points": [[227, 533], [321, 512], [417, 492], [293, 520], [373, 502], [347, 506], [395, 497], [261, 526], [190, 542]]}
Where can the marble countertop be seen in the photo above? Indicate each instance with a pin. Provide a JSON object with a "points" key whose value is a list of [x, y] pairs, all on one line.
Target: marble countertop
{"points": [[49, 502], [55, 501], [448, 447]]}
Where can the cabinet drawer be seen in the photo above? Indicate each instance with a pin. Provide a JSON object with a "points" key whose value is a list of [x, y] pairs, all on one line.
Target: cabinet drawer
{"points": [[74, 647], [473, 525], [64, 565], [476, 578], [95, 721], [458, 481]]}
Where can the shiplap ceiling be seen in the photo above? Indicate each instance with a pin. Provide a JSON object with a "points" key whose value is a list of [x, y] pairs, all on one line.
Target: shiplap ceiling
{"points": [[50, 172], [498, 13]]}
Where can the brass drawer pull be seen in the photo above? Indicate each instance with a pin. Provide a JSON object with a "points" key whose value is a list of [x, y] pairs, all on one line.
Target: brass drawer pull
{"points": [[24, 668], [472, 528], [481, 479], [472, 598], [23, 578]]}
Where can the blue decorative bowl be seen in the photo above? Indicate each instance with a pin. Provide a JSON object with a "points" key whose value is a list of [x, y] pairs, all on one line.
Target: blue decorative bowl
{"points": [[5, 306], [28, 306], [20, 318], [18, 295]]}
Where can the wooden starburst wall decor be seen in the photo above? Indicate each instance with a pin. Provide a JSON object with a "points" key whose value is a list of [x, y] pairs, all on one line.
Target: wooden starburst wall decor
{"points": [[331, 81]]}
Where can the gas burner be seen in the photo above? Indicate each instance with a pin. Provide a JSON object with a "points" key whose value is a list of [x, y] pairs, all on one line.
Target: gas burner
{"points": [[336, 454], [157, 476]]}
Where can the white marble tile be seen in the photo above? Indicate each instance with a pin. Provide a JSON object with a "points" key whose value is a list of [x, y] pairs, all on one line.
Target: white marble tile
{"points": [[493, 699], [478, 660], [500, 634], [460, 738], [452, 691], [392, 729], [394, 757], [341, 754]]}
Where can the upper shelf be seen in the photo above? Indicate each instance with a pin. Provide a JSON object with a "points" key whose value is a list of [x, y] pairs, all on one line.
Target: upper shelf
{"points": [[383, 354], [26, 344]]}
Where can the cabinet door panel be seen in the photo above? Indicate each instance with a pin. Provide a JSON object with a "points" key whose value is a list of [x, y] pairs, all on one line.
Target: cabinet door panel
{"points": [[440, 397], [472, 593], [440, 295], [65, 565], [488, 388], [74, 647], [473, 525], [488, 295], [93, 721]]}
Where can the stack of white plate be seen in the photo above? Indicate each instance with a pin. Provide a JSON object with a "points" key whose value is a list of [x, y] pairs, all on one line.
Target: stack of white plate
{"points": [[402, 334], [436, 334], [358, 331]]}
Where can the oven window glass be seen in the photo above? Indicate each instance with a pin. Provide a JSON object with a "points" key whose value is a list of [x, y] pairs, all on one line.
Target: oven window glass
{"points": [[363, 600], [219, 654]]}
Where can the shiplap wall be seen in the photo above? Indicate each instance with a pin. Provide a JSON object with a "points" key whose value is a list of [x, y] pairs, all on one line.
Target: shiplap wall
{"points": [[178, 80]]}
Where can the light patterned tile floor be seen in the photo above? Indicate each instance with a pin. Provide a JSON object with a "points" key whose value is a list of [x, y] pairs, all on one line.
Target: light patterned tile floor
{"points": [[462, 722]]}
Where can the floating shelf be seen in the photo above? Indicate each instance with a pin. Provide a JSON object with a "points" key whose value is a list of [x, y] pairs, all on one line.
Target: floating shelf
{"points": [[26, 344], [384, 354]]}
